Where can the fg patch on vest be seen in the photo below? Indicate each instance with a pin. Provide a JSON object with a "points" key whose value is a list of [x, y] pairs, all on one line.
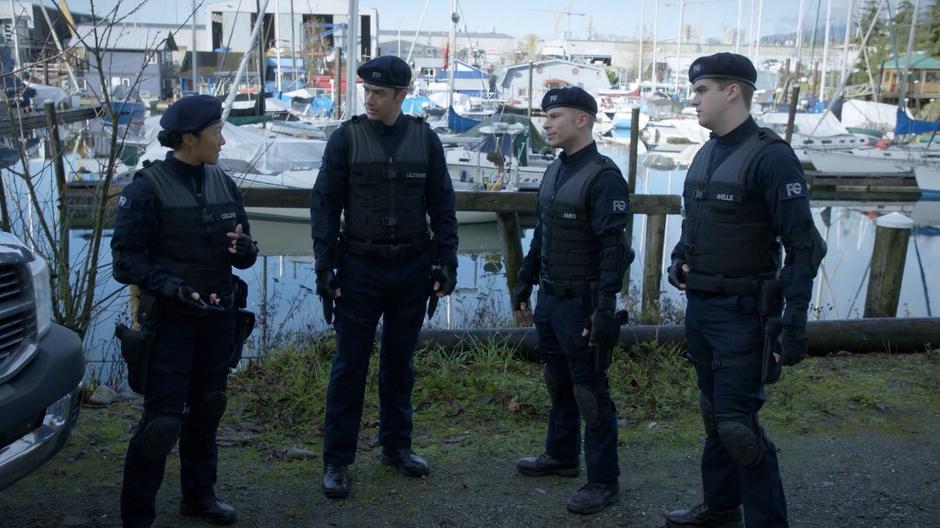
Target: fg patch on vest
{"points": [[618, 206]]}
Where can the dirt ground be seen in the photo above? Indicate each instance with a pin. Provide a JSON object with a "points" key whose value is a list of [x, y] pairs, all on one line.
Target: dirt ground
{"points": [[883, 476]]}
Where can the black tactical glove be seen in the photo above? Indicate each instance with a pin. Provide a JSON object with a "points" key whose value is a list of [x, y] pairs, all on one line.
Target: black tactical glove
{"points": [[184, 294], [676, 274], [605, 327], [446, 277], [794, 344], [245, 246], [326, 283], [521, 294]]}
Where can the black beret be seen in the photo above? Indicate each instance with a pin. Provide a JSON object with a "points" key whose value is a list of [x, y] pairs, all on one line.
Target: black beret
{"points": [[192, 114], [723, 66], [570, 96], [386, 70]]}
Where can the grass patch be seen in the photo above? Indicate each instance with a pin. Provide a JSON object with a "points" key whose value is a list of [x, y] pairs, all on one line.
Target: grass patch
{"points": [[483, 389]]}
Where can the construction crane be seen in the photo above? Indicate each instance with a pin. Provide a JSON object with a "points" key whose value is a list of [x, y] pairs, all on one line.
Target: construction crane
{"points": [[557, 14]]}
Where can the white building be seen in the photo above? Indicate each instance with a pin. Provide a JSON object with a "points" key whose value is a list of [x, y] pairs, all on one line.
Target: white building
{"points": [[230, 25], [548, 74]]}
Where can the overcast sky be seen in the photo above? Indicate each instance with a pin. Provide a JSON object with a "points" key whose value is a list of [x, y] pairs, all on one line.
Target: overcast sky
{"points": [[521, 17]]}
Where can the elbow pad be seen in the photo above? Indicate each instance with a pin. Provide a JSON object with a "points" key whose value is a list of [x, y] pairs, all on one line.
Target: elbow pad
{"points": [[806, 248]]}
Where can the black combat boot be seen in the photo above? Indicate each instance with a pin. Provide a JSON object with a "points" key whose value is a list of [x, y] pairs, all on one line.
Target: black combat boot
{"points": [[544, 464], [335, 481], [407, 461], [211, 510], [594, 497], [701, 516]]}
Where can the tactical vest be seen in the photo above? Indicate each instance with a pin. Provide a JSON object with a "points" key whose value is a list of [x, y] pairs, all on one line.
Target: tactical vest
{"points": [[570, 250], [728, 230], [192, 243], [385, 200]]}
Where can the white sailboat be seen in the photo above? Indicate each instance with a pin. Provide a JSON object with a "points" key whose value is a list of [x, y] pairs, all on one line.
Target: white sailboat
{"points": [[928, 180]]}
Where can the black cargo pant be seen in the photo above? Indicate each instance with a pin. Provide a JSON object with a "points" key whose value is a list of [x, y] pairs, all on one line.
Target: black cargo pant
{"points": [[189, 365]]}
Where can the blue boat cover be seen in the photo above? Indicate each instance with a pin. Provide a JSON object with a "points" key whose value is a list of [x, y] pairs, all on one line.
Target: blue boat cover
{"points": [[906, 125], [458, 123]]}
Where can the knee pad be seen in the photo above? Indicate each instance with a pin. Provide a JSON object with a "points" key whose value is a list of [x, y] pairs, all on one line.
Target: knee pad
{"points": [[589, 405], [708, 415], [743, 438], [158, 436], [208, 413]]}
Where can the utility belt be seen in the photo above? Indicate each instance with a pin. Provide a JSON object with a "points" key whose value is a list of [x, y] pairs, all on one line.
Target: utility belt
{"points": [[566, 288], [136, 341], [732, 286], [386, 248]]}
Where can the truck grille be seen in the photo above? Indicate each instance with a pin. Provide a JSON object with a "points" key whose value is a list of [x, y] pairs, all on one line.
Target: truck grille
{"points": [[17, 324], [10, 286], [13, 331]]}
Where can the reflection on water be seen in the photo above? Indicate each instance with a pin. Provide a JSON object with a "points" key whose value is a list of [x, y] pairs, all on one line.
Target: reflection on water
{"points": [[282, 281]]}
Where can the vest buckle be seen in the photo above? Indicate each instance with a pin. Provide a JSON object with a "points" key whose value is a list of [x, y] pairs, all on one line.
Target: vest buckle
{"points": [[390, 221]]}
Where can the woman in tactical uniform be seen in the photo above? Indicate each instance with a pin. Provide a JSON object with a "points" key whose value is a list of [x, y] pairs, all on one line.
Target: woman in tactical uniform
{"points": [[181, 226]]}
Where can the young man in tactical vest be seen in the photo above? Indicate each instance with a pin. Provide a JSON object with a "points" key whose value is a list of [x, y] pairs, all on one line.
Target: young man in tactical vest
{"points": [[180, 228], [744, 191], [577, 257], [386, 173]]}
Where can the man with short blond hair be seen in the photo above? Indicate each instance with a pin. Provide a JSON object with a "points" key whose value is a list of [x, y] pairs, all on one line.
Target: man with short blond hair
{"points": [[745, 197], [578, 258]]}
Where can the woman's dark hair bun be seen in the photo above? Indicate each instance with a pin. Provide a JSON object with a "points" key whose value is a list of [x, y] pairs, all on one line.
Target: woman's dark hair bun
{"points": [[171, 140]]}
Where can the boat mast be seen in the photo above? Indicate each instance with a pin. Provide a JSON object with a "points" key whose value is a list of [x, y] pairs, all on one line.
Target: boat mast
{"points": [[737, 30], [799, 43], [352, 57], [760, 19], [227, 107], [293, 48], [910, 46], [277, 43], [822, 83], [639, 56], [655, 24], [452, 60], [675, 74], [845, 41], [194, 61], [417, 31]]}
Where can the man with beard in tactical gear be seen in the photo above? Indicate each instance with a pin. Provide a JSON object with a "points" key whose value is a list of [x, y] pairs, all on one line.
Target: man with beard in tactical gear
{"points": [[745, 194], [180, 228], [386, 173], [578, 257]]}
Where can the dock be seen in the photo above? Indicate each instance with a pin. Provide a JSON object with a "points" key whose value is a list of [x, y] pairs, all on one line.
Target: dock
{"points": [[894, 187], [31, 120]]}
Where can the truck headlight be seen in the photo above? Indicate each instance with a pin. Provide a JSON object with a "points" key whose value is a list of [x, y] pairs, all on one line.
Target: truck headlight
{"points": [[42, 294]]}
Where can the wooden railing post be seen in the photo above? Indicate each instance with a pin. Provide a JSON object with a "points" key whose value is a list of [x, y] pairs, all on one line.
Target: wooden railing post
{"points": [[652, 267], [887, 265], [631, 184], [509, 233]]}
